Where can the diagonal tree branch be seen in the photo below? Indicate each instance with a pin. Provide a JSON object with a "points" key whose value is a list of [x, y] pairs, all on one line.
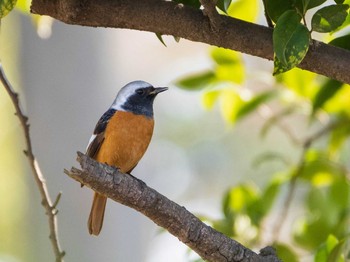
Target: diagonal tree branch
{"points": [[170, 18], [130, 191], [50, 208]]}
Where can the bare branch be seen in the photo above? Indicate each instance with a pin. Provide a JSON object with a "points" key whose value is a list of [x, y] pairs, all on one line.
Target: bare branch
{"points": [[132, 192], [170, 18], [38, 176]]}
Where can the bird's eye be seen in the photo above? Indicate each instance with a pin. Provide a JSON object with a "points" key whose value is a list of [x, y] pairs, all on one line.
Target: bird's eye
{"points": [[140, 91]]}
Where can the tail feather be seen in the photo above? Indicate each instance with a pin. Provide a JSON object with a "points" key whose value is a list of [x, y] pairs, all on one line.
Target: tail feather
{"points": [[97, 212]]}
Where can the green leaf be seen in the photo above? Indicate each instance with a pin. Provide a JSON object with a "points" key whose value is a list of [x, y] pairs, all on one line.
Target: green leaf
{"points": [[290, 41], [326, 92], [223, 5], [224, 56], [6, 7], [255, 102], [196, 82], [343, 42], [339, 1], [275, 8], [329, 18], [314, 3], [193, 3], [285, 253]]}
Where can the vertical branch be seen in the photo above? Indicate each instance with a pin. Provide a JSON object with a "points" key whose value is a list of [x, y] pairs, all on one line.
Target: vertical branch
{"points": [[50, 208]]}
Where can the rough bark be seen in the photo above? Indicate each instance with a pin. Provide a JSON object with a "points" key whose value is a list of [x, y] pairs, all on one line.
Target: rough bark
{"points": [[210, 244], [170, 18]]}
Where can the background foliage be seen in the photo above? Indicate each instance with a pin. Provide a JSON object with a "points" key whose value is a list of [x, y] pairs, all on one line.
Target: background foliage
{"points": [[317, 184]]}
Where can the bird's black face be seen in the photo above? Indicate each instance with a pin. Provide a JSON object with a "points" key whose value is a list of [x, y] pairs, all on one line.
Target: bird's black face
{"points": [[141, 100]]}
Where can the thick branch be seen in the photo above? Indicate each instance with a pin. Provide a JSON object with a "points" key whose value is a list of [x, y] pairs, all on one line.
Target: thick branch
{"points": [[166, 17], [127, 190], [50, 208]]}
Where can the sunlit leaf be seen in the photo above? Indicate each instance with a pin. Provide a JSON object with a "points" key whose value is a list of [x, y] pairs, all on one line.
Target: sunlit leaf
{"points": [[285, 253], [301, 82], [275, 8], [6, 7], [229, 65], [197, 81], [231, 103], [241, 196], [339, 102], [290, 41], [246, 10], [327, 91], [209, 98], [329, 18]]}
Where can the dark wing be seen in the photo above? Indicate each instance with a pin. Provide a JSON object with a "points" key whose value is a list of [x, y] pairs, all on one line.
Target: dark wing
{"points": [[97, 138]]}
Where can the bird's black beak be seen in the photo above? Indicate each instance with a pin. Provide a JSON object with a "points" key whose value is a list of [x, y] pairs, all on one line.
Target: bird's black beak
{"points": [[158, 90]]}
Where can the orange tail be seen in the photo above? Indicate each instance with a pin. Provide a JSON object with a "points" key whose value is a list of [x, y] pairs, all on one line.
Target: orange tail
{"points": [[96, 214]]}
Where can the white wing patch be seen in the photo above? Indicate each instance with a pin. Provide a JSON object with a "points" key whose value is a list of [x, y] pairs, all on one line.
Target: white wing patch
{"points": [[92, 138]]}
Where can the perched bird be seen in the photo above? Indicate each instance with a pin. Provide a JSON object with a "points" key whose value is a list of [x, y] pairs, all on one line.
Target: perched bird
{"points": [[121, 137]]}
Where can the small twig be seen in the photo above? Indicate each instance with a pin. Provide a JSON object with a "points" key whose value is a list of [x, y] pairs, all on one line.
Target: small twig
{"points": [[293, 182], [267, 17], [210, 244], [211, 12], [38, 177]]}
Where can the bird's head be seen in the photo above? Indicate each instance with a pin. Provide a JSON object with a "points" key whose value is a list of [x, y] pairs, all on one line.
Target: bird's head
{"points": [[137, 97]]}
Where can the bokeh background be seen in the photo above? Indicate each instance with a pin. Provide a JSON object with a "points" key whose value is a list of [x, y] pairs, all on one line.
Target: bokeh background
{"points": [[66, 82]]}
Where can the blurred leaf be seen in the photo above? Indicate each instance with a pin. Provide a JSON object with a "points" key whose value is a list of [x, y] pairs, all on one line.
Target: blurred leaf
{"points": [[6, 7], [255, 102], [343, 42], [330, 251], [260, 208], [160, 38], [229, 65], [275, 8], [326, 92], [339, 194], [290, 41], [285, 253], [246, 10], [239, 197], [197, 81], [231, 102], [193, 3], [339, 1], [301, 82], [319, 169], [329, 18], [209, 98], [224, 56], [223, 5], [338, 136], [339, 103], [270, 156]]}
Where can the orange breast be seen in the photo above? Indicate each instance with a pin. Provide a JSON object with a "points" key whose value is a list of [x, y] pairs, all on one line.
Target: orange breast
{"points": [[127, 137]]}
